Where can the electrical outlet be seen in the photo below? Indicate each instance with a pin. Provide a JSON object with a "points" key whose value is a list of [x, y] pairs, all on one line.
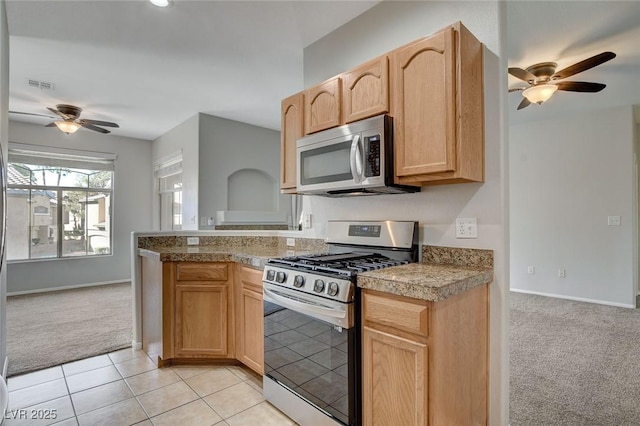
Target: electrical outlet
{"points": [[306, 220], [531, 270], [193, 241], [466, 227], [291, 242], [613, 221], [562, 273]]}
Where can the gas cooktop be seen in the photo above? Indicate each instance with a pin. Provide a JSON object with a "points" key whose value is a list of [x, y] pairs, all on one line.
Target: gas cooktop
{"points": [[343, 264]]}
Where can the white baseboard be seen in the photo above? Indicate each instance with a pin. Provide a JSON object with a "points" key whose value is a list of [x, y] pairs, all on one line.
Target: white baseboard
{"points": [[68, 287], [577, 299]]}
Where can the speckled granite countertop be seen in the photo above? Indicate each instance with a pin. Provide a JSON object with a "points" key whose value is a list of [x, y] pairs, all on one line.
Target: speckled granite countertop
{"points": [[248, 250], [255, 256], [443, 272]]}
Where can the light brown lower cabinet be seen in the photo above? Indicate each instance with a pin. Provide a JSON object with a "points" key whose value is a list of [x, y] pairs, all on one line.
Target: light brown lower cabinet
{"points": [[203, 310], [249, 318], [425, 363], [199, 311]]}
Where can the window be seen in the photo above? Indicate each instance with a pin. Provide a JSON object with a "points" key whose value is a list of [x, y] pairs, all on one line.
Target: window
{"points": [[58, 203], [168, 175]]}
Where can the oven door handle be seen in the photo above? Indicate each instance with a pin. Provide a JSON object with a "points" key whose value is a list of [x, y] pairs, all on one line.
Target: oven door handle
{"points": [[302, 307]]}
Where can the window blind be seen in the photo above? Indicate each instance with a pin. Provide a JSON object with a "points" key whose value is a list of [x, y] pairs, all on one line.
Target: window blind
{"points": [[61, 157]]}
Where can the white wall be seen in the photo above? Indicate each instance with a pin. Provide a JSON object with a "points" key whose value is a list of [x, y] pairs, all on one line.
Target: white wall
{"points": [[4, 137], [131, 210], [567, 176], [184, 138], [227, 146], [383, 28]]}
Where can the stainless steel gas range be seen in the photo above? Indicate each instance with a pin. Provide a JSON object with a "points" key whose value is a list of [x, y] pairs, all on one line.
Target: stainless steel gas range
{"points": [[312, 320]]}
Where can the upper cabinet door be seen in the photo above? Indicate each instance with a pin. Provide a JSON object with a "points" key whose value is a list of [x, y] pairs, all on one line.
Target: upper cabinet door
{"points": [[365, 90], [292, 129], [424, 90], [322, 106]]}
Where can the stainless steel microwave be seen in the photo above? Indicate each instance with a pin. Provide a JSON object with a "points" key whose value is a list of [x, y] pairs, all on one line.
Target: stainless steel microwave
{"points": [[354, 159]]}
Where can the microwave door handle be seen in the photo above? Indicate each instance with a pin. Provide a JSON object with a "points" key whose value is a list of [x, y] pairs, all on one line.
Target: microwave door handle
{"points": [[356, 159]]}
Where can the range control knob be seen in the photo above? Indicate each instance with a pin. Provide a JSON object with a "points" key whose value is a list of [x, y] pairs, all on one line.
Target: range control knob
{"points": [[281, 277], [333, 289], [298, 281], [271, 274], [318, 286]]}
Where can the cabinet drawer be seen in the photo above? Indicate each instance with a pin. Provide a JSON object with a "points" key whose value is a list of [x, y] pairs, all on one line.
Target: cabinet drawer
{"points": [[251, 279], [196, 271], [397, 312]]}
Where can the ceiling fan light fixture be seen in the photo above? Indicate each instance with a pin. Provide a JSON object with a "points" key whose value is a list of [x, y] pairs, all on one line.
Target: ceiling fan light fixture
{"points": [[540, 93], [67, 127], [160, 3]]}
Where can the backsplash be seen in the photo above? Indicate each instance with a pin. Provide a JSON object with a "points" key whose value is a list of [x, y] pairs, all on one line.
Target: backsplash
{"points": [[457, 256]]}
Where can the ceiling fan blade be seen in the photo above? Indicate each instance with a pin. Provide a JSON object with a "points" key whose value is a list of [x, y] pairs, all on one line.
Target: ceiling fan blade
{"points": [[584, 65], [580, 86], [517, 89], [525, 103], [99, 123], [522, 74], [30, 113], [56, 112], [92, 127], [52, 124]]}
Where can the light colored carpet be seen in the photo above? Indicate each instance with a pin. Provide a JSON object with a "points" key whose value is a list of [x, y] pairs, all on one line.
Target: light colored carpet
{"points": [[53, 328], [573, 363]]}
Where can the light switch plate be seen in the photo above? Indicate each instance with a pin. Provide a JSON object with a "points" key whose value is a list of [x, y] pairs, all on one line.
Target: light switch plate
{"points": [[291, 242], [466, 227]]}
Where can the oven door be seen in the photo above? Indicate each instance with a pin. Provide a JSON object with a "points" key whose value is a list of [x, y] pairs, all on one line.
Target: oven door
{"points": [[310, 360]]}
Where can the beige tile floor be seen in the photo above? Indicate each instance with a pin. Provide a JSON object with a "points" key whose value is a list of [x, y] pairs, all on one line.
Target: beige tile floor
{"points": [[126, 388]]}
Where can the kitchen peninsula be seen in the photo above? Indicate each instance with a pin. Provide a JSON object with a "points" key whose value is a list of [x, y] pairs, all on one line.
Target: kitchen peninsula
{"points": [[429, 318]]}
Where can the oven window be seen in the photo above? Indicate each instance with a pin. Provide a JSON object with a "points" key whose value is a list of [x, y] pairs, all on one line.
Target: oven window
{"points": [[311, 358]]}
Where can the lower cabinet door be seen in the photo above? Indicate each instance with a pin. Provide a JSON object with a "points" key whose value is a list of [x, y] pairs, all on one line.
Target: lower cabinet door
{"points": [[251, 348], [202, 320], [394, 389]]}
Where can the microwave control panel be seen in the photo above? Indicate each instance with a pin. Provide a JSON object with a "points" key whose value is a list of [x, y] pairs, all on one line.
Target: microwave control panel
{"points": [[372, 156]]}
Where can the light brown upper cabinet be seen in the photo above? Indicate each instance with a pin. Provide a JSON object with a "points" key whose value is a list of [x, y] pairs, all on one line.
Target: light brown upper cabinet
{"points": [[322, 106], [365, 90], [433, 90], [437, 107], [292, 129]]}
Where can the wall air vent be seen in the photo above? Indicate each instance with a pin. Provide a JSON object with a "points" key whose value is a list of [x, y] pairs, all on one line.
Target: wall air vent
{"points": [[42, 85]]}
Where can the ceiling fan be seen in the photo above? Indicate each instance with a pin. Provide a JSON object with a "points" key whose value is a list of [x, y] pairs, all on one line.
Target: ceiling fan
{"points": [[71, 120], [542, 79]]}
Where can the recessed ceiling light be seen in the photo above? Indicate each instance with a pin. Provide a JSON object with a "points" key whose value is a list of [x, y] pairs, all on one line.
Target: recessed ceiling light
{"points": [[160, 3]]}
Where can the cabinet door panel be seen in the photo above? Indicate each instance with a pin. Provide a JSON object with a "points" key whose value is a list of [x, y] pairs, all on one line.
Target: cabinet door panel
{"points": [[252, 354], [249, 318], [201, 320], [292, 129], [322, 106], [394, 380], [366, 90], [424, 105], [197, 271]]}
